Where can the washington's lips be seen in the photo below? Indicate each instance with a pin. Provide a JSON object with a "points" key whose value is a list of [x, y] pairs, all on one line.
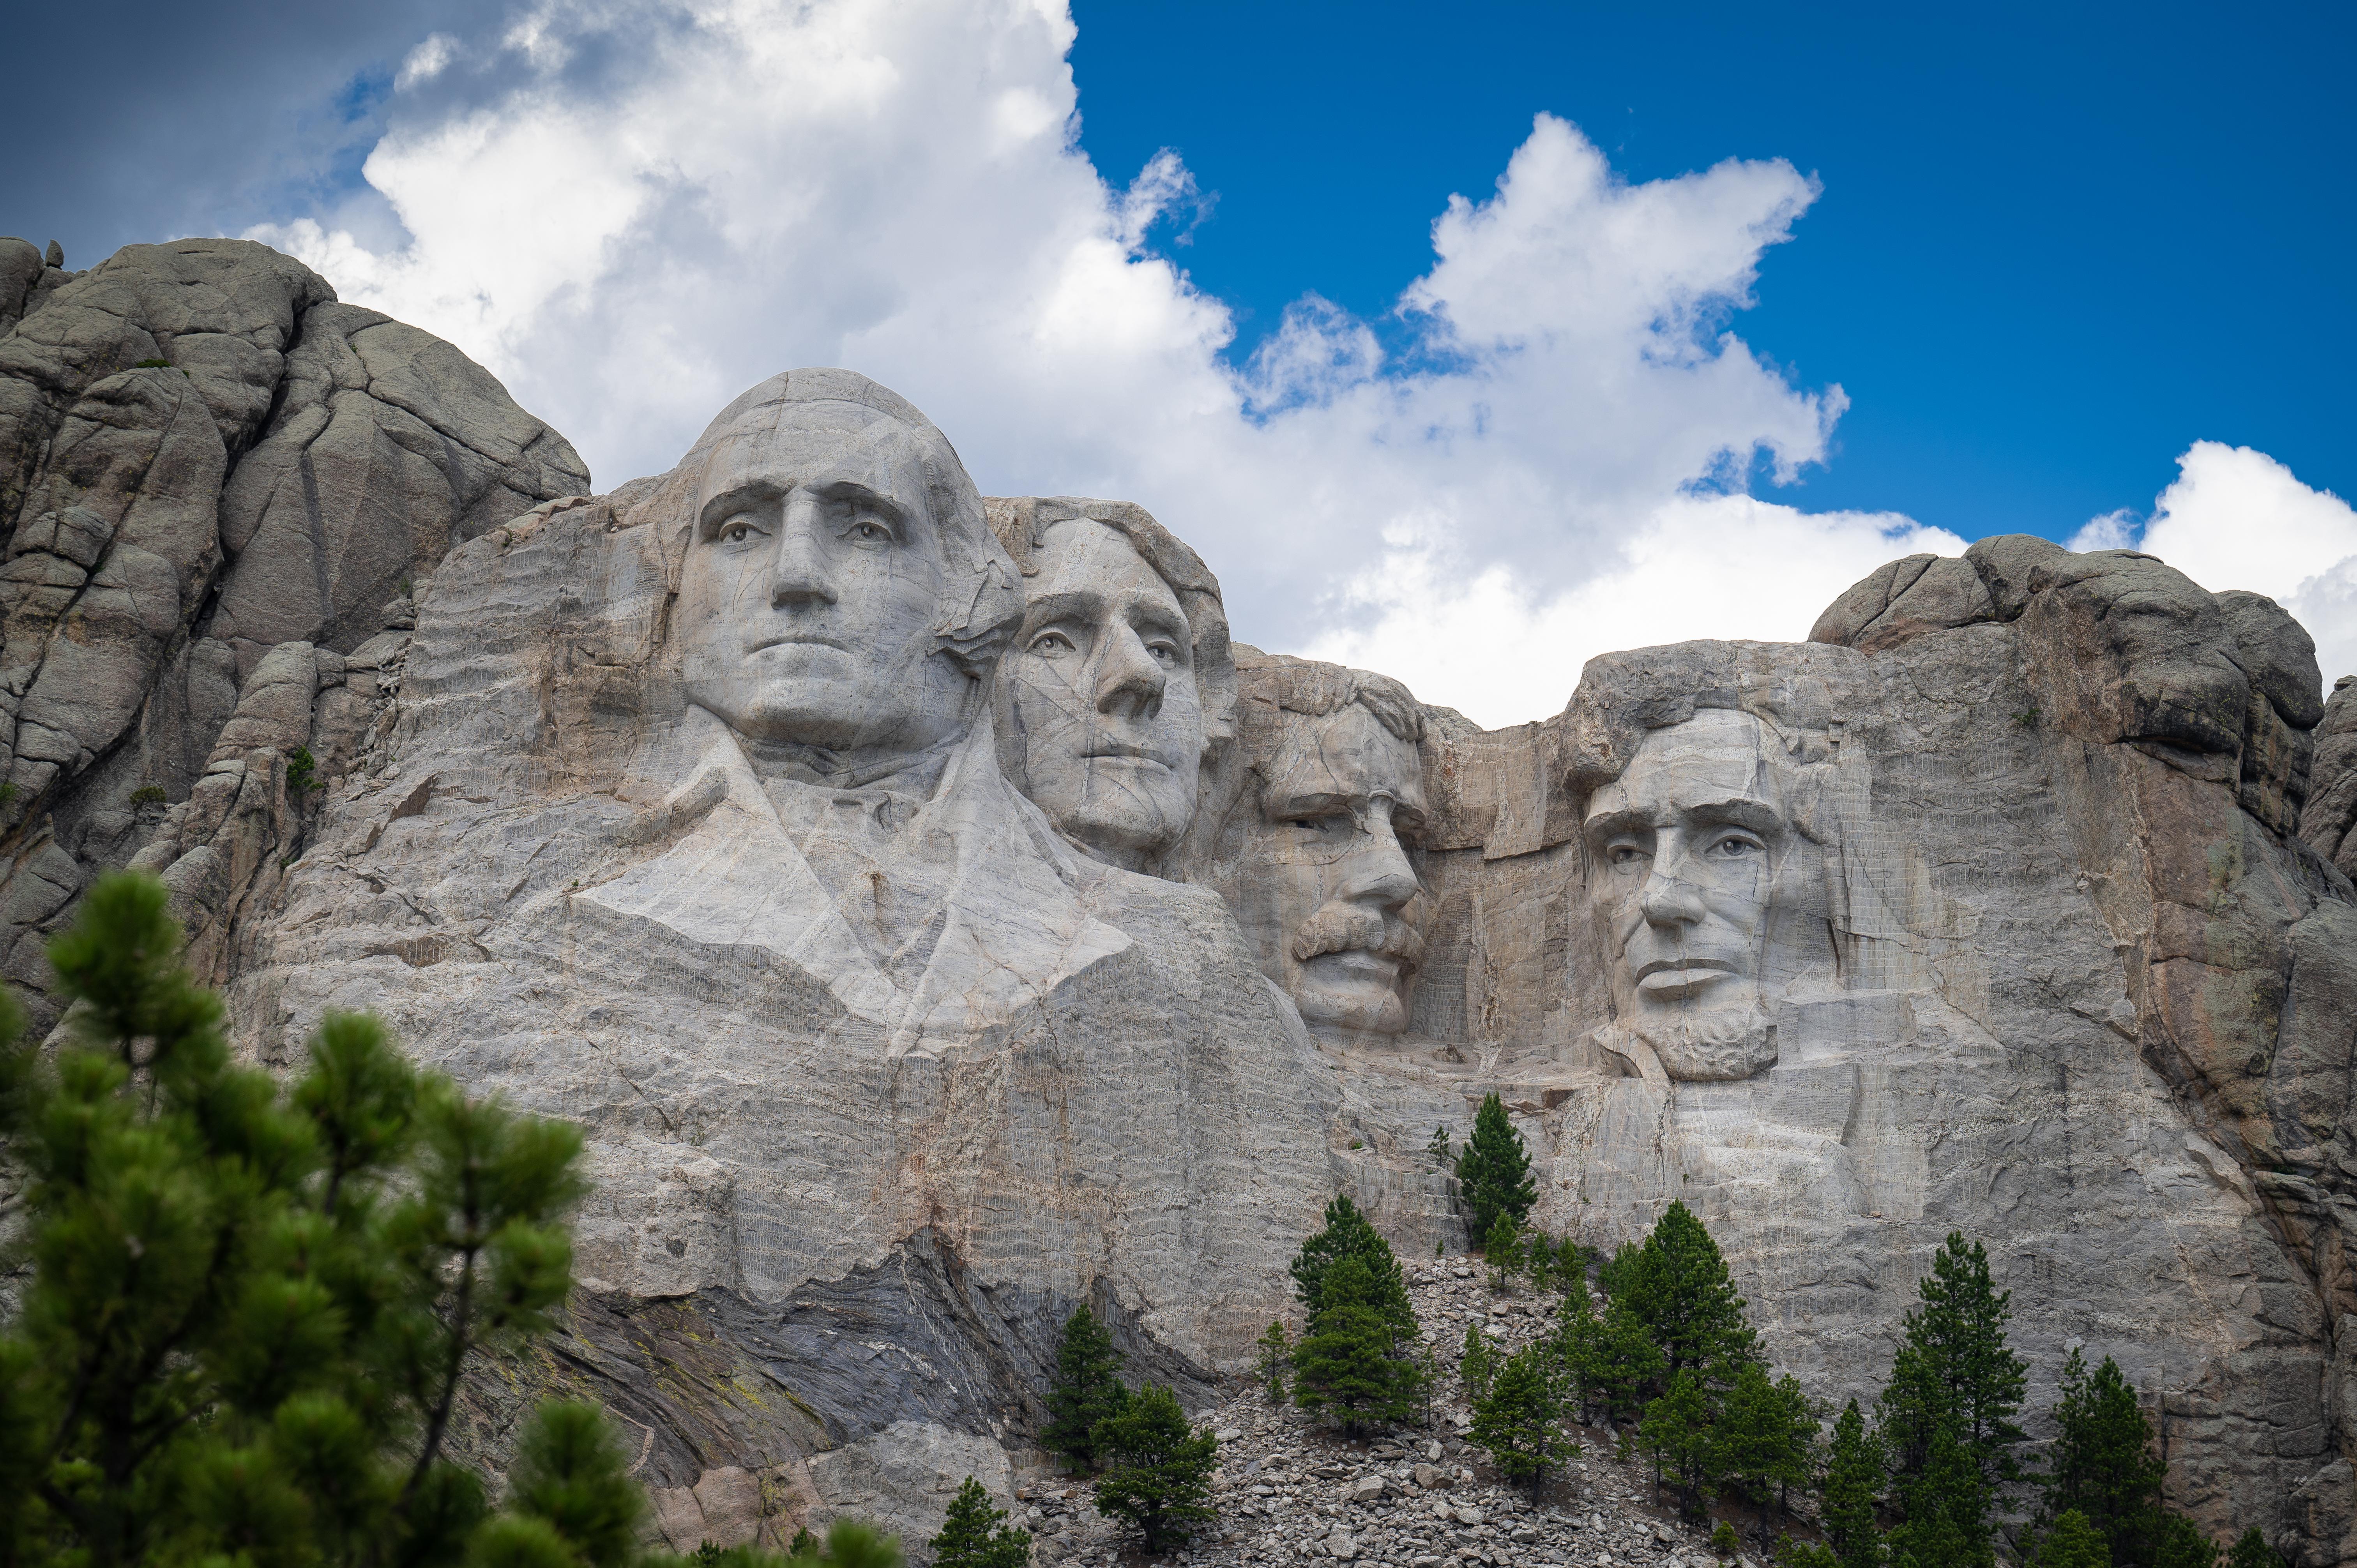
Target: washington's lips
{"points": [[800, 639]]}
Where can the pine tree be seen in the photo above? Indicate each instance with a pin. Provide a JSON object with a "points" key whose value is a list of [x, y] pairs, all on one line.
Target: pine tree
{"points": [[1679, 1288], [1853, 1481], [1540, 1260], [1276, 1348], [2073, 1542], [1516, 1422], [1501, 1248], [1349, 1360], [1947, 1510], [1676, 1434], [1086, 1390], [1493, 1172], [570, 1497], [1436, 1150], [1764, 1438], [975, 1536], [2103, 1465], [2252, 1550], [252, 1304], [1478, 1365], [1347, 1233], [1955, 1372], [1610, 1360], [1158, 1473]]}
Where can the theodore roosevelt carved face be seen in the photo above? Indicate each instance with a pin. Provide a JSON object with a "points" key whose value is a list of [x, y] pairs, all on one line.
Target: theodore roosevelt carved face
{"points": [[1314, 861], [1685, 853], [1101, 711], [813, 587]]}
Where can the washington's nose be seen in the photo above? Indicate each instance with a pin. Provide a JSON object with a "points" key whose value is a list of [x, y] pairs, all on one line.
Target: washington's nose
{"points": [[800, 575], [1130, 684]]}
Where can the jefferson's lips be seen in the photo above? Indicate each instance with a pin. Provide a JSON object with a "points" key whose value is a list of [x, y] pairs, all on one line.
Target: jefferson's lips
{"points": [[1373, 964], [1124, 751]]}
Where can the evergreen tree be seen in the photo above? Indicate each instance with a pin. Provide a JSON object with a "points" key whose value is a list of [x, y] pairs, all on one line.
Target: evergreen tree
{"points": [[1853, 1481], [570, 1497], [975, 1536], [1350, 1360], [1764, 1438], [1086, 1390], [2073, 1542], [1501, 1248], [1617, 1278], [1947, 1522], [1436, 1150], [251, 1304], [1676, 1434], [1276, 1348], [2103, 1467], [2180, 1543], [1493, 1172], [1478, 1364], [1347, 1233], [1679, 1288], [1610, 1359], [1955, 1373], [1157, 1474], [1540, 1260], [1516, 1422], [2252, 1550]]}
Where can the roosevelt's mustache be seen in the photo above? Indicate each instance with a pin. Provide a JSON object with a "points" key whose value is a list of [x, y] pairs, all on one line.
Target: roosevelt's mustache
{"points": [[1347, 928]]}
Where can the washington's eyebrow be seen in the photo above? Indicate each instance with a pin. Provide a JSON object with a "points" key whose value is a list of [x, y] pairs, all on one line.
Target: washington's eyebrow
{"points": [[734, 499]]}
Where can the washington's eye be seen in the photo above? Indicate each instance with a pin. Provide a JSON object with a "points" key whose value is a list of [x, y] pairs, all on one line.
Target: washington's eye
{"points": [[737, 529], [869, 533], [1051, 644]]}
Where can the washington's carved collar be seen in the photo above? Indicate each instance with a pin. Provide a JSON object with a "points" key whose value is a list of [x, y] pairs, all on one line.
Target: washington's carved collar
{"points": [[916, 774]]}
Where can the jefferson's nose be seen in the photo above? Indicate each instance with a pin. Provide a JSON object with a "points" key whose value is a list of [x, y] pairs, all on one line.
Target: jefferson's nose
{"points": [[1130, 683], [1377, 871], [800, 573]]}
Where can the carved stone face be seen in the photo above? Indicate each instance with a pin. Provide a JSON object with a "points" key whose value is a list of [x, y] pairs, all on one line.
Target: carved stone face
{"points": [[1683, 851], [812, 585], [1324, 882], [1100, 723]]}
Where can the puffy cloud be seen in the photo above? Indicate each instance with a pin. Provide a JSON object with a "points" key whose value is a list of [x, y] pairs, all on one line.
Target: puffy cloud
{"points": [[2235, 518], [631, 210]]}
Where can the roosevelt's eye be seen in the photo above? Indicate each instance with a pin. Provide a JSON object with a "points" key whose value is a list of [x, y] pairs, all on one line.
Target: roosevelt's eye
{"points": [[1052, 645]]}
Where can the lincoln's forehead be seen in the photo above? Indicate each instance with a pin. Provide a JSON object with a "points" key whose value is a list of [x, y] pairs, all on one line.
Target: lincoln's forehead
{"points": [[1716, 758]]}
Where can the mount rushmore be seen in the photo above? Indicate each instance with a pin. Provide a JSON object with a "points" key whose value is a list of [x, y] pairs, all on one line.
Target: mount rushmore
{"points": [[936, 919]]}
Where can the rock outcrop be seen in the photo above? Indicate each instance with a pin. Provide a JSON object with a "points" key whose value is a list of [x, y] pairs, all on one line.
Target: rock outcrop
{"points": [[934, 921], [203, 459]]}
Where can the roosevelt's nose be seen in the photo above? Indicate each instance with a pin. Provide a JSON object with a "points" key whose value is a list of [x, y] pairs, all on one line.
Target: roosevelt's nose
{"points": [[1378, 870], [800, 575], [1130, 682]]}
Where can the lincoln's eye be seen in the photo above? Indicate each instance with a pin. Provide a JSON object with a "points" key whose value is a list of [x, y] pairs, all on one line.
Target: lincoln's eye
{"points": [[1624, 853], [1735, 846]]}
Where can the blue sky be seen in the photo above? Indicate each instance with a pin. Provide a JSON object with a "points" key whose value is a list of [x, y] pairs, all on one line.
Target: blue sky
{"points": [[1795, 288], [2056, 244]]}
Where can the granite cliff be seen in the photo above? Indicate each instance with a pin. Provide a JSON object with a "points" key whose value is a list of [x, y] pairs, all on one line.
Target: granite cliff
{"points": [[935, 919]]}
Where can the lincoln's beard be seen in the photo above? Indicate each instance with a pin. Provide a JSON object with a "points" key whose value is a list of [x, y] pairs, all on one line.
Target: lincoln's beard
{"points": [[1708, 1045]]}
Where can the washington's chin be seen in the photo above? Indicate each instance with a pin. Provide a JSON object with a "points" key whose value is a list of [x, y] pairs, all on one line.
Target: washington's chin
{"points": [[836, 715]]}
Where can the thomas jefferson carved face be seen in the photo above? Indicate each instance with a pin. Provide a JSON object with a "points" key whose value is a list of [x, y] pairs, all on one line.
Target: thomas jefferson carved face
{"points": [[1320, 877], [1100, 719], [1684, 854], [811, 587]]}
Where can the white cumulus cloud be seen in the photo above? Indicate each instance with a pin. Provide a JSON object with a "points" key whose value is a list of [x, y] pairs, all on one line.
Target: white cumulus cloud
{"points": [[2235, 518], [631, 210]]}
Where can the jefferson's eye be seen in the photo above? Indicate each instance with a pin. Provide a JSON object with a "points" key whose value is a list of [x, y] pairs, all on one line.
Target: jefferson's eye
{"points": [[1052, 645], [1164, 654]]}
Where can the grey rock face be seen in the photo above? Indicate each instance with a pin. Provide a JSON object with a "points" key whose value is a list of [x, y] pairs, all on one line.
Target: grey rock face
{"points": [[2329, 820], [203, 457]]}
